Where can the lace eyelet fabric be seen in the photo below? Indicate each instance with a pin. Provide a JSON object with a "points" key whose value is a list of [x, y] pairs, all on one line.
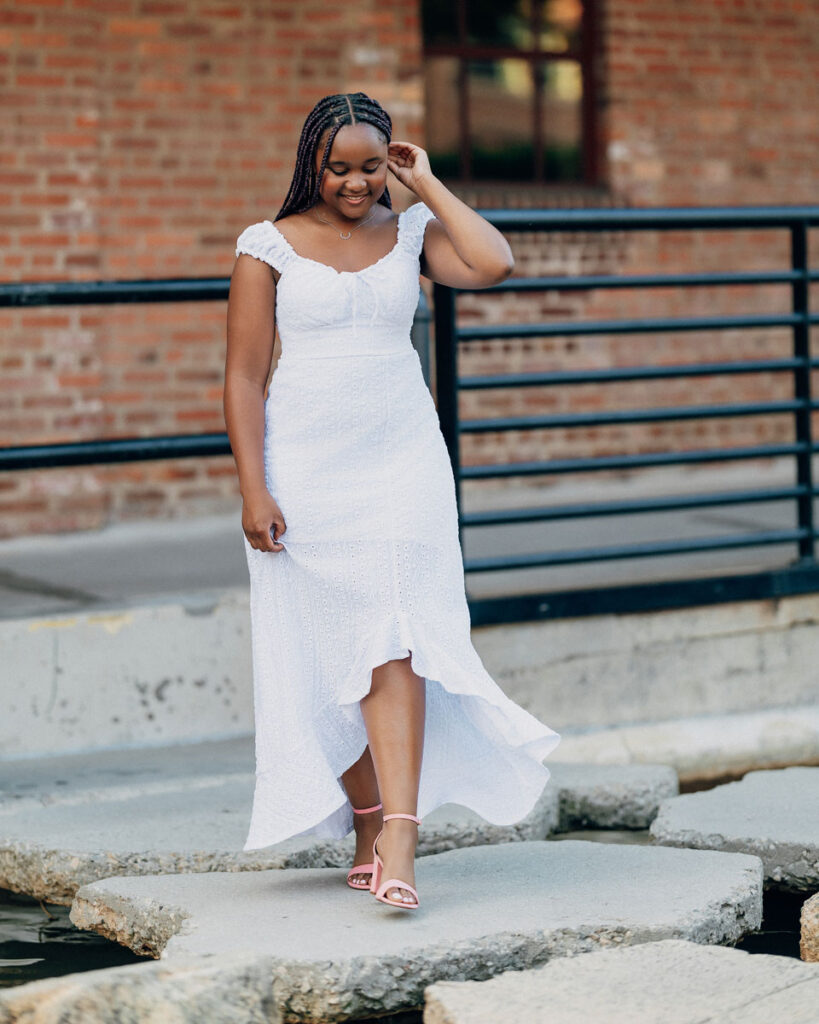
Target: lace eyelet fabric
{"points": [[372, 568]]}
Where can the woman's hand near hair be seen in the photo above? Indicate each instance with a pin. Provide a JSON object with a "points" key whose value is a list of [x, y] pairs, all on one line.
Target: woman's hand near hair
{"points": [[250, 324], [461, 248]]}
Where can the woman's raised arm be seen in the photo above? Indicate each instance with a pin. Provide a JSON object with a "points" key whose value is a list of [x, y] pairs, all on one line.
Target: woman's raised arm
{"points": [[461, 248]]}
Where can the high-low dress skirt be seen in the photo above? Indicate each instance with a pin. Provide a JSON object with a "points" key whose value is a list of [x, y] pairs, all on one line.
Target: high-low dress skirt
{"points": [[371, 570]]}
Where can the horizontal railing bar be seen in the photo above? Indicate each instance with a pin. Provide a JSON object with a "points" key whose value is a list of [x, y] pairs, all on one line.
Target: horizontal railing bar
{"points": [[101, 293], [130, 449], [654, 595], [671, 503], [685, 217], [623, 416], [621, 373], [487, 332], [560, 282], [625, 551], [603, 462]]}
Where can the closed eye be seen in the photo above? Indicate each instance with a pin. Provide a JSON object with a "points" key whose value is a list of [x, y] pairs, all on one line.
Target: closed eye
{"points": [[367, 170]]}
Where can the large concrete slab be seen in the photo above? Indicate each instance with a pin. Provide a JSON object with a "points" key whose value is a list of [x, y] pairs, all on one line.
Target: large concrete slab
{"points": [[337, 954], [69, 820], [668, 982], [204, 990], [199, 824], [771, 814]]}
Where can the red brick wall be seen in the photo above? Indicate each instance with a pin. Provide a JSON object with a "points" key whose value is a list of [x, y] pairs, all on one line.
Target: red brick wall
{"points": [[697, 104], [142, 137]]}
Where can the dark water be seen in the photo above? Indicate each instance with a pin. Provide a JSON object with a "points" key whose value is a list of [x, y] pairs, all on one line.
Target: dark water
{"points": [[39, 941]]}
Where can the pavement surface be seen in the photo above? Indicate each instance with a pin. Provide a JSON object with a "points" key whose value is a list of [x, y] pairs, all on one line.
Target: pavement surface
{"points": [[131, 563]]}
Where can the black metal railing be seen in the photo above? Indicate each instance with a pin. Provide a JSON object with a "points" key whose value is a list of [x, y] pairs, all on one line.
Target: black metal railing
{"points": [[799, 576]]}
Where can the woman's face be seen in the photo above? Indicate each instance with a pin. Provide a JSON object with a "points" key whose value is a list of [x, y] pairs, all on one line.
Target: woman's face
{"points": [[356, 173]]}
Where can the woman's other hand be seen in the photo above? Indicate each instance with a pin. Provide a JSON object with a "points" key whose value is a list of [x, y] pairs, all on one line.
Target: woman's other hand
{"points": [[263, 522]]}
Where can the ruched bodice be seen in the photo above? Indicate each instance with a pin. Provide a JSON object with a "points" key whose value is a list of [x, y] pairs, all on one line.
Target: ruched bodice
{"points": [[321, 311]]}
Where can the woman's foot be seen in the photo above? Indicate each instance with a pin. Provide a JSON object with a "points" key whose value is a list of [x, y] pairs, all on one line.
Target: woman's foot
{"points": [[396, 848], [367, 827]]}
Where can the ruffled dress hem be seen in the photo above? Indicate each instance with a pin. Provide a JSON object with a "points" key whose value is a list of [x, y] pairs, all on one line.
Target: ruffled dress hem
{"points": [[516, 738]]}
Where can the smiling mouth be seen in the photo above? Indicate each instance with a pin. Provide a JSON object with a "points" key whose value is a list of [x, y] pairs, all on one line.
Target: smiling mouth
{"points": [[353, 199]]}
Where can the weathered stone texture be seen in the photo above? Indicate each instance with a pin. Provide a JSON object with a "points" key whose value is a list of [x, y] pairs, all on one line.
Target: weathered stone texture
{"points": [[668, 982], [772, 814]]}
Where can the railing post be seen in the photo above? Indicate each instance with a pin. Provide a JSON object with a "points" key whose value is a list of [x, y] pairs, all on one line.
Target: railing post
{"points": [[802, 386], [446, 380]]}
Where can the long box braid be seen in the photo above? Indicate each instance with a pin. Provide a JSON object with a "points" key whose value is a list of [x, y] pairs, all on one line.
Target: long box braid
{"points": [[332, 112]]}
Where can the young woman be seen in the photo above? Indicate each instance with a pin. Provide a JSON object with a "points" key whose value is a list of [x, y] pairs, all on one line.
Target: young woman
{"points": [[369, 696]]}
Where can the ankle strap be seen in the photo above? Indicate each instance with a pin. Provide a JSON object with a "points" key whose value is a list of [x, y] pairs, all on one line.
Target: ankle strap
{"points": [[366, 810], [411, 817]]}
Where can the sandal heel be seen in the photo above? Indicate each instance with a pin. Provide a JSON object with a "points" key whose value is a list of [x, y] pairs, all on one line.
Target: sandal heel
{"points": [[362, 869]]}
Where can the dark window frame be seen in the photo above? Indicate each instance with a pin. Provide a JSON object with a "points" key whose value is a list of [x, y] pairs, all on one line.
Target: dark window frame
{"points": [[584, 53]]}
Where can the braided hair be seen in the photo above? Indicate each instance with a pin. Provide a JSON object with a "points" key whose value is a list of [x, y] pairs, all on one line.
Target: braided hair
{"points": [[332, 112]]}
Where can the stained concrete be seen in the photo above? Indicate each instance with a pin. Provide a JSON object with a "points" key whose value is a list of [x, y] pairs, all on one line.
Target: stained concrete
{"points": [[668, 982], [772, 814], [337, 954], [129, 637]]}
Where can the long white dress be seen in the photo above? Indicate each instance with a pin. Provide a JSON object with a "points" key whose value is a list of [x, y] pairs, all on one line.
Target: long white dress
{"points": [[372, 567]]}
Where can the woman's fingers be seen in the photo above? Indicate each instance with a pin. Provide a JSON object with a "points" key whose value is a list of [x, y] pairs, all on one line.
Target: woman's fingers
{"points": [[265, 538]]}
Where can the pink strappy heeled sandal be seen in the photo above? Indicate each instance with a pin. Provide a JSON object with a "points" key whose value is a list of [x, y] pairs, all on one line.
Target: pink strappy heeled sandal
{"points": [[378, 888], [361, 869]]}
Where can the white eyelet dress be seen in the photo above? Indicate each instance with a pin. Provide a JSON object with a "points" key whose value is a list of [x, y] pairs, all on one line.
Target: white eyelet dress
{"points": [[372, 567]]}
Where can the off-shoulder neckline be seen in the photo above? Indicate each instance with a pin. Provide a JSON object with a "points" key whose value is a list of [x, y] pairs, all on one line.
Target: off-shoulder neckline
{"points": [[370, 266]]}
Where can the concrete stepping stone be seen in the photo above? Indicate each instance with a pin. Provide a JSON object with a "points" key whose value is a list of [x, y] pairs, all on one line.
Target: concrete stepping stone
{"points": [[668, 982], [230, 990], [809, 921], [191, 825], [68, 820], [772, 814], [337, 954]]}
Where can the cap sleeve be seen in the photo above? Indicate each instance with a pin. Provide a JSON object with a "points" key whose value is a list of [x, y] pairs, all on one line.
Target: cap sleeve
{"points": [[417, 217], [264, 242]]}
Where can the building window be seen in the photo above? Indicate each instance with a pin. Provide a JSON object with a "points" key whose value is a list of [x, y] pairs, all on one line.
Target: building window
{"points": [[508, 89]]}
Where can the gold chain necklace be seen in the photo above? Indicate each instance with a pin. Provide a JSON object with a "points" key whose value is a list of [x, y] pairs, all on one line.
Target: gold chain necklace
{"points": [[345, 234]]}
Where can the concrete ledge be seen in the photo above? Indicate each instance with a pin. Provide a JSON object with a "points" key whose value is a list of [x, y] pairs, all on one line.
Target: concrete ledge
{"points": [[127, 676], [706, 746], [337, 954], [706, 690], [773, 815], [668, 982]]}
